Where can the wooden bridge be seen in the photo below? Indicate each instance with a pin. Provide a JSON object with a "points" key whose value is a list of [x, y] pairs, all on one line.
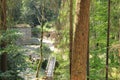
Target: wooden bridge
{"points": [[50, 68]]}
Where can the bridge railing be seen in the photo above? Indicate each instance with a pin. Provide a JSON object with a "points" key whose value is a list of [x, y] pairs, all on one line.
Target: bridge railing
{"points": [[50, 68]]}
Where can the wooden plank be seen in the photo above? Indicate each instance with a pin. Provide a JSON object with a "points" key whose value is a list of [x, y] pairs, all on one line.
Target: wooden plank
{"points": [[50, 68]]}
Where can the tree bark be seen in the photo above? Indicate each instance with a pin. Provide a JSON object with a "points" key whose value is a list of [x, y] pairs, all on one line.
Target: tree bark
{"points": [[108, 41], [71, 31], [79, 56], [3, 28]]}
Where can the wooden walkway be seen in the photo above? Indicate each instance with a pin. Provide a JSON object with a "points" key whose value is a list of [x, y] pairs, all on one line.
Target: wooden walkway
{"points": [[50, 68]]}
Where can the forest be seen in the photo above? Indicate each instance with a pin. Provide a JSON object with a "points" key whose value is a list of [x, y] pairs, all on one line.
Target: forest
{"points": [[59, 40]]}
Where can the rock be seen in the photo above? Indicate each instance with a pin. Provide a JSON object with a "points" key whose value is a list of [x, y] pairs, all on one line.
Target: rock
{"points": [[34, 41]]}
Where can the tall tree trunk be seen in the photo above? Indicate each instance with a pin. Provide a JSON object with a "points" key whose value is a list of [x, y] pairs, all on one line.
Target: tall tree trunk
{"points": [[3, 15], [88, 64], [80, 47], [41, 54], [3, 28], [71, 30], [41, 37], [108, 41]]}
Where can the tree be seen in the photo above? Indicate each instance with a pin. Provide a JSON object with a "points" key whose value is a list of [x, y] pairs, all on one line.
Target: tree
{"points": [[3, 28], [31, 9], [80, 46], [108, 40], [71, 30], [13, 12]]}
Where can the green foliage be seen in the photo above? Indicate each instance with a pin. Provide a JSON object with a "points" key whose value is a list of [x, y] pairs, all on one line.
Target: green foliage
{"points": [[36, 31], [98, 31], [98, 35], [48, 26], [46, 51], [13, 12], [9, 36], [9, 75], [33, 11], [16, 60], [62, 71], [56, 13]]}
